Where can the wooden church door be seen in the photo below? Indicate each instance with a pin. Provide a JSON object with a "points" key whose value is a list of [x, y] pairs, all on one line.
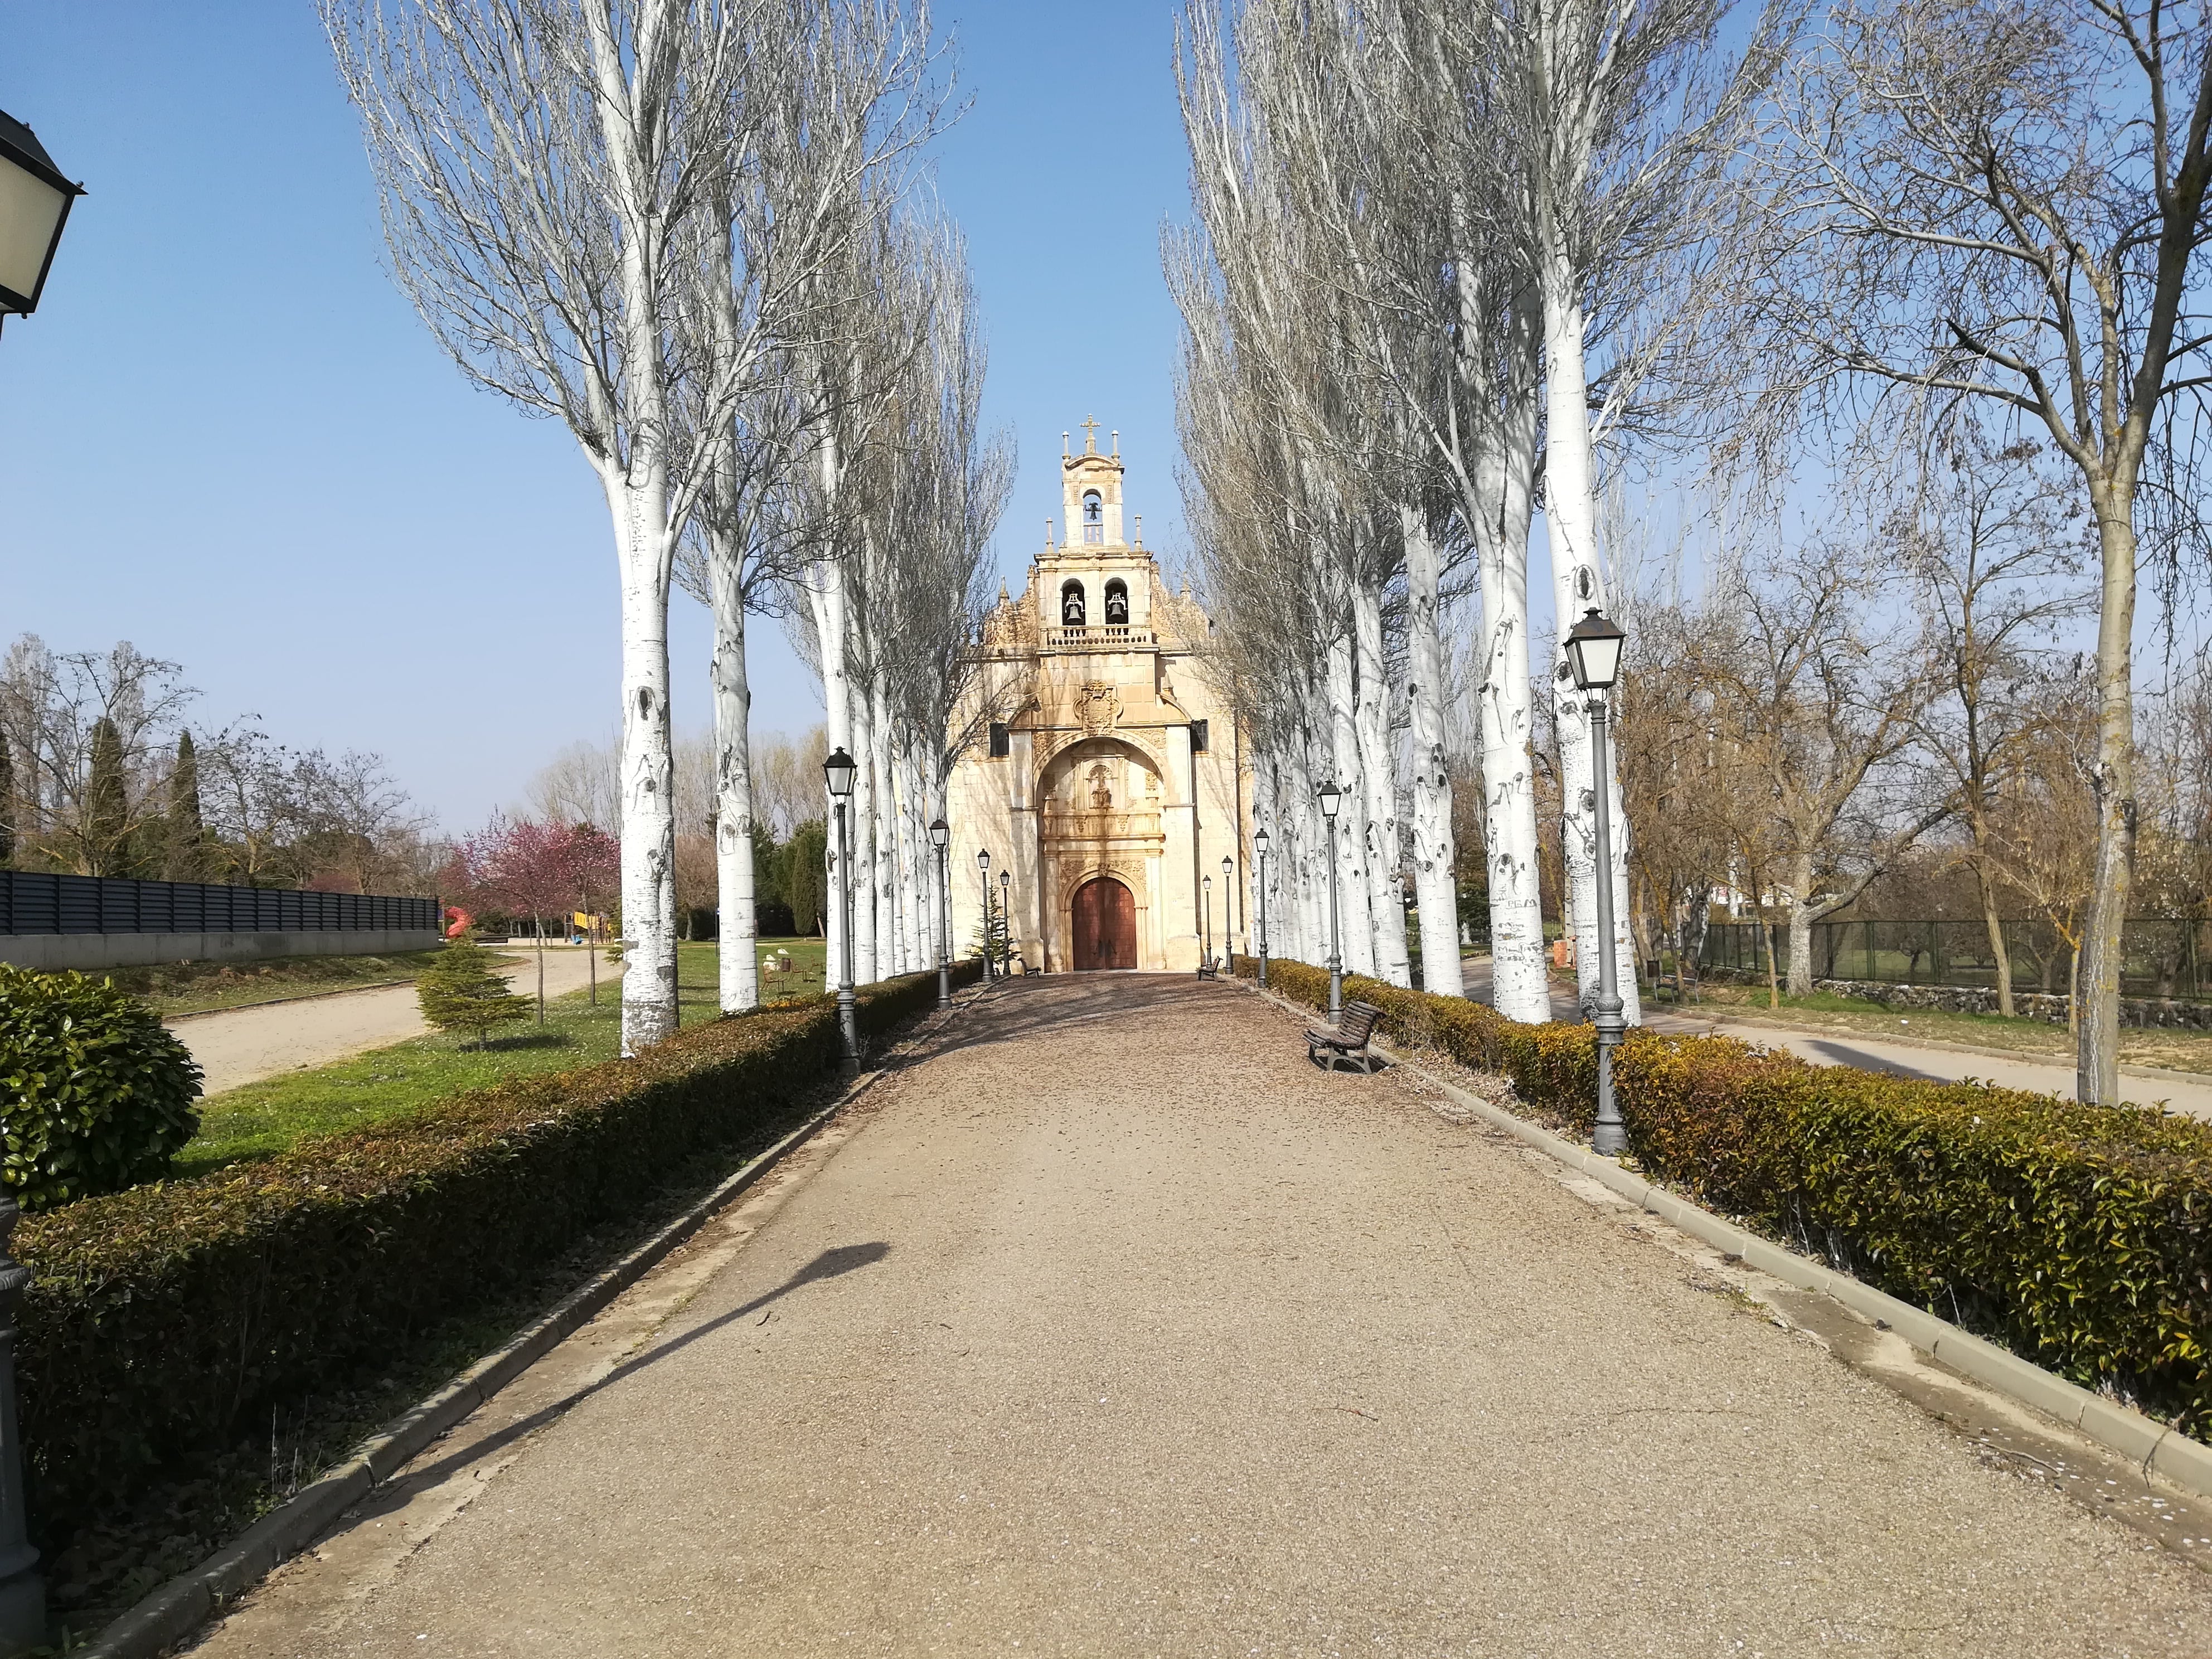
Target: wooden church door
{"points": [[1105, 918]]}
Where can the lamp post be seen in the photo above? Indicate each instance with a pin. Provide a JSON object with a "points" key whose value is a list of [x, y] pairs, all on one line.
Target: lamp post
{"points": [[34, 205], [1228, 886], [1006, 920], [983, 863], [1205, 942], [1332, 797], [940, 837], [1594, 653], [1259, 846], [837, 773]]}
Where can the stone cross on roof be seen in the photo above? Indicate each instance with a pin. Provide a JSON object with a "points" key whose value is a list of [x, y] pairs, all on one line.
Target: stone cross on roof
{"points": [[1090, 436]]}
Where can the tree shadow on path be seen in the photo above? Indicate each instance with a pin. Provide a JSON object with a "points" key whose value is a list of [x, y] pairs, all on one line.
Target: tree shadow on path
{"points": [[830, 1264]]}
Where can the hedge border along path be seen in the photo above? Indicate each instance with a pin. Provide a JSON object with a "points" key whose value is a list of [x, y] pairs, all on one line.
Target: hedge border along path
{"points": [[2079, 1236], [163, 1320]]}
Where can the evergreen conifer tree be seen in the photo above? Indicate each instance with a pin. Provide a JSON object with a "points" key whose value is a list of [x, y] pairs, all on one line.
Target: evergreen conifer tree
{"points": [[106, 806], [187, 834], [462, 991]]}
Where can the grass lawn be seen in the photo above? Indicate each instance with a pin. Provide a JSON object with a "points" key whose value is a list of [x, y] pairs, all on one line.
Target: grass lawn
{"points": [[1824, 1011], [192, 988], [266, 1117]]}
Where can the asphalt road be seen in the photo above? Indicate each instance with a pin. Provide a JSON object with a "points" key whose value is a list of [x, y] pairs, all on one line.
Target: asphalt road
{"points": [[1113, 1327]]}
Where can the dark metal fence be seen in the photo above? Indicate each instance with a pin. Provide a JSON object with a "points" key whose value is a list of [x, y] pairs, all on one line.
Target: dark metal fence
{"points": [[31, 902], [2160, 957]]}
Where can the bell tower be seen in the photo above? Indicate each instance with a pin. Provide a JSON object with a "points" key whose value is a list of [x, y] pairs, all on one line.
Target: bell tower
{"points": [[1091, 492]]}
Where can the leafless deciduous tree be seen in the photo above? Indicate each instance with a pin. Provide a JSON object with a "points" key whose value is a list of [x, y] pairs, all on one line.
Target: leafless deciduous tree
{"points": [[541, 163], [1996, 569], [2005, 201], [1820, 693], [86, 734]]}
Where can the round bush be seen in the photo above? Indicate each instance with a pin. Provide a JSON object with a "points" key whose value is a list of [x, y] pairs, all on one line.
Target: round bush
{"points": [[95, 1095]]}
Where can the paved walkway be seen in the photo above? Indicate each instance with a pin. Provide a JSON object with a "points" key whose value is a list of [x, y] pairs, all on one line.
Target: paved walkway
{"points": [[2191, 1095], [238, 1046], [1112, 1327]]}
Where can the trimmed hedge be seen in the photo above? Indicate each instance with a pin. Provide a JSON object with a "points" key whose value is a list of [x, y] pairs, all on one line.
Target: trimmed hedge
{"points": [[2080, 1235], [163, 1323]]}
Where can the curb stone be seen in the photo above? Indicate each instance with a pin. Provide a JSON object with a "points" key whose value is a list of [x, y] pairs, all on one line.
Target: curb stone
{"points": [[2143, 1440], [166, 1616]]}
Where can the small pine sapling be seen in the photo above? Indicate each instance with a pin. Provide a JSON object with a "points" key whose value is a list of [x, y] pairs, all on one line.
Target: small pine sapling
{"points": [[461, 990]]}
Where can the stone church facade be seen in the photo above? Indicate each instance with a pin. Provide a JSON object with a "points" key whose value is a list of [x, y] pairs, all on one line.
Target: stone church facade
{"points": [[1099, 767]]}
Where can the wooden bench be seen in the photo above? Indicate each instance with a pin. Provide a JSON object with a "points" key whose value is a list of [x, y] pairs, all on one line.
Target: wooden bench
{"points": [[1347, 1038]]}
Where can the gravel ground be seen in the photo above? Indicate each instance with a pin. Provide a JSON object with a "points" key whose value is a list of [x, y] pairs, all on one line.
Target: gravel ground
{"points": [[1115, 1327], [238, 1046]]}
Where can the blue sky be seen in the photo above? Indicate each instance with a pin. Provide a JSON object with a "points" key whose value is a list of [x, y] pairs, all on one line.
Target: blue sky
{"points": [[226, 438]]}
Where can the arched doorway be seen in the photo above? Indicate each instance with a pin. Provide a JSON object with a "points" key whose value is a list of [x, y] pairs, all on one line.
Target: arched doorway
{"points": [[1104, 917]]}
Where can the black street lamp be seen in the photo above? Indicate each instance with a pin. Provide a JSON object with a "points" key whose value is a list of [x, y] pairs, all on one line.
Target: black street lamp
{"points": [[1205, 941], [983, 863], [1259, 847], [940, 837], [837, 773], [1593, 655], [34, 205], [1331, 798], [1228, 886]]}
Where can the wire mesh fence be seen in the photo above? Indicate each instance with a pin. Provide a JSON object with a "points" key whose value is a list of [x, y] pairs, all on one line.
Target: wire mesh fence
{"points": [[2161, 956]]}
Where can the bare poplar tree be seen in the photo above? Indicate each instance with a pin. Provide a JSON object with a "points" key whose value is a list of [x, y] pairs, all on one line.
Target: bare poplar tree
{"points": [[540, 162]]}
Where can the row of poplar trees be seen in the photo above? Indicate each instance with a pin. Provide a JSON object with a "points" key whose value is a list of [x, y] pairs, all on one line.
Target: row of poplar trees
{"points": [[695, 233], [1455, 262]]}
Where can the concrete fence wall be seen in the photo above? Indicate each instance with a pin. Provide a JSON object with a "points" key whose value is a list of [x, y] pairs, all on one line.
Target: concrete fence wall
{"points": [[90, 953]]}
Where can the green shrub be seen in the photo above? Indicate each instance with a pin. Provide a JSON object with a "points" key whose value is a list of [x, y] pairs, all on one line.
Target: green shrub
{"points": [[164, 1322], [2081, 1235], [96, 1096]]}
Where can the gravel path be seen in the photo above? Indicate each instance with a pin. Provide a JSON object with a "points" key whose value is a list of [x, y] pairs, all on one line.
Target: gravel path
{"points": [[238, 1046], [1114, 1327]]}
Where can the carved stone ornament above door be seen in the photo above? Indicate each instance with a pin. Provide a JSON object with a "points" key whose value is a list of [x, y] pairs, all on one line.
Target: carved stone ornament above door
{"points": [[1098, 706]]}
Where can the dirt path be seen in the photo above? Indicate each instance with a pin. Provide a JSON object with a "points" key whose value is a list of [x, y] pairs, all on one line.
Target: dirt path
{"points": [[238, 1046], [1114, 1327]]}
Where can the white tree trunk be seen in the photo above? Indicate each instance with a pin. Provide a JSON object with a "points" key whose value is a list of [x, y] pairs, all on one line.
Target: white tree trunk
{"points": [[1314, 854], [737, 954], [862, 831], [1355, 926], [883, 824], [826, 593], [1498, 520], [1378, 778], [648, 769], [913, 856], [1435, 890], [1577, 585]]}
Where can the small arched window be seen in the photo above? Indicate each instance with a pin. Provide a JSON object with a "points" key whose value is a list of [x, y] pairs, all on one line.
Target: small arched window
{"points": [[1071, 605], [1094, 517], [1117, 604]]}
